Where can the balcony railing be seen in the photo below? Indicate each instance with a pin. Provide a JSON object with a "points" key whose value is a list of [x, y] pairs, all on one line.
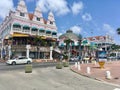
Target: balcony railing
{"points": [[26, 31], [17, 30], [34, 32]]}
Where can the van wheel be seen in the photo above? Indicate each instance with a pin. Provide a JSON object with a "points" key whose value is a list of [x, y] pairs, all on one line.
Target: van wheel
{"points": [[13, 63]]}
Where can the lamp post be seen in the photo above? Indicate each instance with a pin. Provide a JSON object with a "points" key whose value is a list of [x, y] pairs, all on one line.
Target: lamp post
{"points": [[80, 40]]}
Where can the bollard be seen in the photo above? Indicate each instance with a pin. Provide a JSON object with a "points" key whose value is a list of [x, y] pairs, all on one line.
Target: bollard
{"points": [[88, 70], [79, 68], [87, 61], [108, 75], [82, 62], [94, 62], [78, 63], [75, 64]]}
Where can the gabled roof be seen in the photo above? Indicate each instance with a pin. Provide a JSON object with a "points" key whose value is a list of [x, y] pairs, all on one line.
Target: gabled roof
{"points": [[96, 37]]}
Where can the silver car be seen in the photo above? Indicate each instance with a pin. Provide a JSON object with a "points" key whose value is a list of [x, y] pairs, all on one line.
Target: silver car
{"points": [[19, 60]]}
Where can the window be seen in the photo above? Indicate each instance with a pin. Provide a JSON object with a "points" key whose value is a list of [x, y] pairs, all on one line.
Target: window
{"points": [[38, 19], [51, 22], [48, 32], [22, 14], [93, 39]]}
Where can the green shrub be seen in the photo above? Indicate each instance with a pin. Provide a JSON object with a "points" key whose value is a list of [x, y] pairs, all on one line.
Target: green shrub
{"points": [[28, 68], [65, 64], [59, 65]]}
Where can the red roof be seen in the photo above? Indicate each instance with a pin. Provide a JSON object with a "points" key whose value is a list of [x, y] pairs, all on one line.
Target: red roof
{"points": [[96, 37], [30, 16]]}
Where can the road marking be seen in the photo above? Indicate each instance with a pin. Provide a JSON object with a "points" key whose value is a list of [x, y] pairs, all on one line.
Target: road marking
{"points": [[117, 89]]}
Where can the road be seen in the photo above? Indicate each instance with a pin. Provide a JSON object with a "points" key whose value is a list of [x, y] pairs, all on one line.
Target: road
{"points": [[49, 78], [5, 67]]}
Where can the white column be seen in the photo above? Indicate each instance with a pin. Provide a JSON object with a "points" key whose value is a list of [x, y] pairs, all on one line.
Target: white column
{"points": [[2, 49], [1, 52], [9, 51], [28, 50], [30, 30], [51, 49]]}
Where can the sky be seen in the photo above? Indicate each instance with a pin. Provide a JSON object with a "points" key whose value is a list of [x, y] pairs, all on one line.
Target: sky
{"points": [[85, 17]]}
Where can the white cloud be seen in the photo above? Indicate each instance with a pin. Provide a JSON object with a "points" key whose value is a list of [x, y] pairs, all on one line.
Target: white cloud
{"points": [[6, 6], [87, 17], [76, 29], [59, 34], [77, 7], [109, 29], [58, 6], [112, 32]]}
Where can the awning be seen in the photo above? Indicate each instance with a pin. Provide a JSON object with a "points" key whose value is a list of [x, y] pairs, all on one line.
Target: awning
{"points": [[19, 35], [54, 33], [34, 28], [17, 24], [43, 37], [26, 26], [41, 29], [48, 31]]}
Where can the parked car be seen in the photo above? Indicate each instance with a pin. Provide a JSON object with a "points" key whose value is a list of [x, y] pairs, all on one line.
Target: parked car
{"points": [[19, 60], [86, 58], [112, 57], [76, 58]]}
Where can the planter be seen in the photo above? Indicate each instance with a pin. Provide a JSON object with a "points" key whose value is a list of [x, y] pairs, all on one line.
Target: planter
{"points": [[28, 68], [66, 64], [59, 65], [101, 64]]}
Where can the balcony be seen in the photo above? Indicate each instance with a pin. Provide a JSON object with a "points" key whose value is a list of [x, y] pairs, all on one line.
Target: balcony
{"points": [[17, 29], [34, 32]]}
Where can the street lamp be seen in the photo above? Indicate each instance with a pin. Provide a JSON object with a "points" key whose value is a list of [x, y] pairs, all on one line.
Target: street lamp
{"points": [[80, 40]]}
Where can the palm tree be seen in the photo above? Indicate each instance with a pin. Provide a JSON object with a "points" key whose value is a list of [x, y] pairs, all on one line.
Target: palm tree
{"points": [[118, 31], [115, 47], [39, 42], [68, 42]]}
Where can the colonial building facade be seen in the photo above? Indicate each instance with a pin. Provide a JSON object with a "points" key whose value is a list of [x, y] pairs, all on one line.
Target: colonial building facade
{"points": [[103, 42], [87, 47], [20, 30]]}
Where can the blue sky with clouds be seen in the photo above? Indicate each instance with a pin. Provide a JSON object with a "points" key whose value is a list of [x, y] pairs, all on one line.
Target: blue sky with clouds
{"points": [[87, 17]]}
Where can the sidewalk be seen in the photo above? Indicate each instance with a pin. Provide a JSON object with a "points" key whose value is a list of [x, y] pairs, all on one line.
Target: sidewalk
{"points": [[2, 61], [100, 74]]}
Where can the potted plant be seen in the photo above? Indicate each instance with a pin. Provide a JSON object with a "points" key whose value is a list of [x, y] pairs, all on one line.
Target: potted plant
{"points": [[59, 65], [65, 62], [28, 68]]}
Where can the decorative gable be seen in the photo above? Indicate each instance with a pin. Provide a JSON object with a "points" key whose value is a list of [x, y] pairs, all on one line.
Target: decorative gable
{"points": [[51, 20], [38, 15], [22, 10]]}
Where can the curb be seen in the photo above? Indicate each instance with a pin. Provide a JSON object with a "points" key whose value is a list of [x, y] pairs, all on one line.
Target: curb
{"points": [[98, 79]]}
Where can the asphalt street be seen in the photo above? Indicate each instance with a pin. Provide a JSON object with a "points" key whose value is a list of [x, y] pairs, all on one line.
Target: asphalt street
{"points": [[5, 67], [49, 78]]}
